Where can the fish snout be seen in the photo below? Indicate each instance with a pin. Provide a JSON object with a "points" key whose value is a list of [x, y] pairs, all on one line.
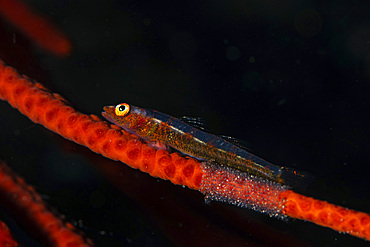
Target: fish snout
{"points": [[108, 112]]}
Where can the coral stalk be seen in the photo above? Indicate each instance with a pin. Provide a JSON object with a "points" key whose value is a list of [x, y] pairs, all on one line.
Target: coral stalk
{"points": [[30, 209], [36, 27], [326, 214], [6, 239], [52, 111]]}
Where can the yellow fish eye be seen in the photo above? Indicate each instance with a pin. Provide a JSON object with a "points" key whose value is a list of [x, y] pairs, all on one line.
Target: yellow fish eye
{"points": [[122, 109]]}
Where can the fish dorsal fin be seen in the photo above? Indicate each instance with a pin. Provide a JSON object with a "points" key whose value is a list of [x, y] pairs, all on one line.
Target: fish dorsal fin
{"points": [[237, 142], [196, 122]]}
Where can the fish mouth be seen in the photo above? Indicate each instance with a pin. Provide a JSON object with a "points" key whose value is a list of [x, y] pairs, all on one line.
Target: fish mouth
{"points": [[108, 113]]}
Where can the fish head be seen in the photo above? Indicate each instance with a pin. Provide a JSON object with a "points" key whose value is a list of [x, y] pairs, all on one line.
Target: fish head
{"points": [[126, 116]]}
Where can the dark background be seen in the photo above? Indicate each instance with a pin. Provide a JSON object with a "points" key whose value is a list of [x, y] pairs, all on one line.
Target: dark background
{"points": [[289, 77]]}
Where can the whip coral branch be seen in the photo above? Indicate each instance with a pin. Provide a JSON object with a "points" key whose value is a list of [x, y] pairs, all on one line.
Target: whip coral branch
{"points": [[326, 214], [6, 238], [53, 112], [37, 28], [28, 207]]}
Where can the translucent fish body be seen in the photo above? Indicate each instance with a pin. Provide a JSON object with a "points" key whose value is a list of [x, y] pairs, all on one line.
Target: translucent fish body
{"points": [[154, 126]]}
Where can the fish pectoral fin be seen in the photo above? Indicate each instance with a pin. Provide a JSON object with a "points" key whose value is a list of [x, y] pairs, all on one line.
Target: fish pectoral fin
{"points": [[158, 145]]}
